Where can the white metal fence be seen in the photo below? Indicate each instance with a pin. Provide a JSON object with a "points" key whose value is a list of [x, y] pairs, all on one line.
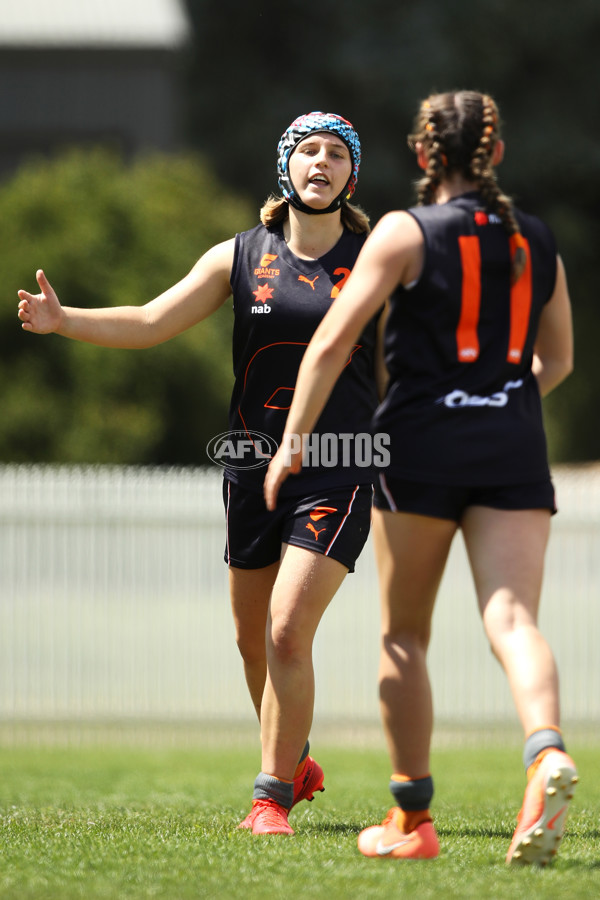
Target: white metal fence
{"points": [[114, 605]]}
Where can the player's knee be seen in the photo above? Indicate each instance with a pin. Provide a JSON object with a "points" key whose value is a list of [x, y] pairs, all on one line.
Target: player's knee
{"points": [[251, 647], [288, 643], [406, 642]]}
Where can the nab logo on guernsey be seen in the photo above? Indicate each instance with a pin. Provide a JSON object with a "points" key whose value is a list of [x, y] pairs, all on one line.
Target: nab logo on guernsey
{"points": [[241, 449], [262, 294]]}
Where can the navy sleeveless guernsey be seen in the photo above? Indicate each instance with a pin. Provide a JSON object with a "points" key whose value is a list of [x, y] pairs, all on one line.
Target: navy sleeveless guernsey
{"points": [[278, 300], [462, 406]]}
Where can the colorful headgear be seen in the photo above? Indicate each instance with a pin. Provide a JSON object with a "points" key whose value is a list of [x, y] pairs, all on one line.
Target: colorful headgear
{"points": [[297, 131]]}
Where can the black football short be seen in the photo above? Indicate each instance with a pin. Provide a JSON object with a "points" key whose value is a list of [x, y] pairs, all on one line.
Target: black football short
{"points": [[450, 502], [335, 523]]}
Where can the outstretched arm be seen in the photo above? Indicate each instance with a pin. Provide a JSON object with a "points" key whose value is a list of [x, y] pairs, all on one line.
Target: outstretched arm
{"points": [[195, 297], [392, 254], [553, 351]]}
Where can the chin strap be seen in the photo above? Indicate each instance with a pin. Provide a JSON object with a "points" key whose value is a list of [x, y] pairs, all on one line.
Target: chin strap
{"points": [[295, 201]]}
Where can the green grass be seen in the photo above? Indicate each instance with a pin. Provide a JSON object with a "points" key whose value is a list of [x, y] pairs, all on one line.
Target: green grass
{"points": [[123, 822]]}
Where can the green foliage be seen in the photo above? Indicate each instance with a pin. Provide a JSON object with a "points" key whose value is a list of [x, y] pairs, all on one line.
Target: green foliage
{"points": [[378, 60], [131, 823], [107, 234]]}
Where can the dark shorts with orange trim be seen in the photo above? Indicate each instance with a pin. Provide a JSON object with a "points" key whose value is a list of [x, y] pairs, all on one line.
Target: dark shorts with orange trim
{"points": [[450, 502], [335, 523]]}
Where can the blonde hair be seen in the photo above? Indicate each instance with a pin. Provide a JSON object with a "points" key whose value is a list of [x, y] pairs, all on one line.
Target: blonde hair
{"points": [[458, 132], [275, 210]]}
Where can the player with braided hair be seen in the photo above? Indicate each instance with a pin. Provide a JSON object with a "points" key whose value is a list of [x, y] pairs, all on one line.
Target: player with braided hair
{"points": [[477, 332], [477, 117]]}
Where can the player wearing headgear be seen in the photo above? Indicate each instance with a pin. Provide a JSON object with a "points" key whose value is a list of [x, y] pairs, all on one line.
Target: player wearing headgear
{"points": [[279, 297], [479, 327], [284, 567], [316, 122]]}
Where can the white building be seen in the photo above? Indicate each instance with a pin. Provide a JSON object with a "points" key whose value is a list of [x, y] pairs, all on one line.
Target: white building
{"points": [[90, 71]]}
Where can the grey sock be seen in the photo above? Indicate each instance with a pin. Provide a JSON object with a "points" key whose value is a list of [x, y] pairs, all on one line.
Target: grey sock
{"points": [[413, 795], [541, 740], [267, 787], [304, 752]]}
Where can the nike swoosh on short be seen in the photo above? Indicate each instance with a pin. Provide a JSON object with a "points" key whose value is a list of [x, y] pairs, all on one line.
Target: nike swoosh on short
{"points": [[384, 849]]}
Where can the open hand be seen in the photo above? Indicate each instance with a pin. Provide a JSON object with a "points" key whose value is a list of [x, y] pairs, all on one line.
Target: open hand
{"points": [[40, 313]]}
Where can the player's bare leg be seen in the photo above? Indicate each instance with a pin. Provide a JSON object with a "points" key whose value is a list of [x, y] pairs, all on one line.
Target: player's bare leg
{"points": [[305, 585], [411, 553], [250, 591], [506, 552]]}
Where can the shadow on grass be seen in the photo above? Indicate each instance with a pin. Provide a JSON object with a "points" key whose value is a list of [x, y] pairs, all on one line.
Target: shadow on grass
{"points": [[474, 832], [343, 828], [331, 828]]}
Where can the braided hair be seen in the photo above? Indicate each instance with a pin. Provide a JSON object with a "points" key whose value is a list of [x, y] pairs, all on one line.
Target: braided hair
{"points": [[458, 132]]}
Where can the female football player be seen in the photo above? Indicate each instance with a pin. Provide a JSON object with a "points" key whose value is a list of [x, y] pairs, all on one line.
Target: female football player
{"points": [[284, 567], [479, 328]]}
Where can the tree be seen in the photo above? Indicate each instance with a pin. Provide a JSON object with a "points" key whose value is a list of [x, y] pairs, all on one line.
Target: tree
{"points": [[110, 234], [372, 62]]}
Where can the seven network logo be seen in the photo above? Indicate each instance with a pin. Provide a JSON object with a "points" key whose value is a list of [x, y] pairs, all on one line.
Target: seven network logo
{"points": [[241, 449]]}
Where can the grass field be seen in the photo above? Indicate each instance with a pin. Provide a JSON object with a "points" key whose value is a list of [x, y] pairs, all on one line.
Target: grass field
{"points": [[126, 822]]}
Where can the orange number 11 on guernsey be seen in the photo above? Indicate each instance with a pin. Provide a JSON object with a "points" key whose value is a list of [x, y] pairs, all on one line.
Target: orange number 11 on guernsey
{"points": [[467, 341]]}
